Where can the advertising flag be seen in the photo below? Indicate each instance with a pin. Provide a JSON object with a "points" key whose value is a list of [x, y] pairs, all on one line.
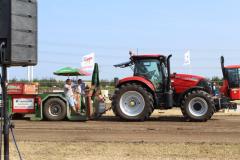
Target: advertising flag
{"points": [[187, 58], [88, 62]]}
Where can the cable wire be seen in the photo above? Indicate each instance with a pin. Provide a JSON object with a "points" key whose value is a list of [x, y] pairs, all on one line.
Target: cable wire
{"points": [[15, 143], [14, 139]]}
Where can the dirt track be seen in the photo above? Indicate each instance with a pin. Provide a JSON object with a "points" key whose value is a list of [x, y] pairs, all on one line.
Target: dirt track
{"points": [[220, 137], [166, 129]]}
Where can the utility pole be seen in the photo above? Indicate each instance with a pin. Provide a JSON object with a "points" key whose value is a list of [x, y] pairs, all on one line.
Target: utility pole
{"points": [[30, 73]]}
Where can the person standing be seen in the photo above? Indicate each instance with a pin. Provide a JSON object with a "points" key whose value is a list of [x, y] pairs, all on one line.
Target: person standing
{"points": [[81, 85], [80, 91], [215, 88], [68, 91]]}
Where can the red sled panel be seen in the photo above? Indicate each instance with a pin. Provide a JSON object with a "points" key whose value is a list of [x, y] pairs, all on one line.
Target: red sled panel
{"points": [[22, 88], [23, 104]]}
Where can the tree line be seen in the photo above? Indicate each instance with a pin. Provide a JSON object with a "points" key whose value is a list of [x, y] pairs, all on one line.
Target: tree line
{"points": [[51, 82]]}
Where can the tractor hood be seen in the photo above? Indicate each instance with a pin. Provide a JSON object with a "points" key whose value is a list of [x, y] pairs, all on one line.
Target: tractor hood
{"points": [[182, 82], [187, 77]]}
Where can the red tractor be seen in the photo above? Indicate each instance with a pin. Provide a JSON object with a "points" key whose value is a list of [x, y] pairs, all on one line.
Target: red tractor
{"points": [[152, 86], [231, 81]]}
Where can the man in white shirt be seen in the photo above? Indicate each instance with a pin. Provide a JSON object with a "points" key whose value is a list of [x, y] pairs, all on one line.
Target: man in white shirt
{"points": [[68, 91]]}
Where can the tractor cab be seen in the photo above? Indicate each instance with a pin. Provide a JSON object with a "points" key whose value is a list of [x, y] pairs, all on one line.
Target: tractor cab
{"points": [[231, 83], [154, 68]]}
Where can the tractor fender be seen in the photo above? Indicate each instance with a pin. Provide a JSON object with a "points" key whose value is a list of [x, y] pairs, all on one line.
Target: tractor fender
{"points": [[137, 79], [181, 96]]}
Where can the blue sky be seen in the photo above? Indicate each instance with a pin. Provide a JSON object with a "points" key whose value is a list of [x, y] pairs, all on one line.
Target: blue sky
{"points": [[70, 29]]}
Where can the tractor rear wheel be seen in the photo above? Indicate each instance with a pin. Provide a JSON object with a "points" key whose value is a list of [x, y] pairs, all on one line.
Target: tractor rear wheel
{"points": [[54, 109], [132, 102], [197, 106]]}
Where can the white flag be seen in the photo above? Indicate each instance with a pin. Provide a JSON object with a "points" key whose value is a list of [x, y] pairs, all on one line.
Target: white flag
{"points": [[88, 62], [187, 58]]}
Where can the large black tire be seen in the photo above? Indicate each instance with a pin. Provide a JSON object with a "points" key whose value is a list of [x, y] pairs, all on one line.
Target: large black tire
{"points": [[114, 102], [198, 106], [138, 91], [54, 109]]}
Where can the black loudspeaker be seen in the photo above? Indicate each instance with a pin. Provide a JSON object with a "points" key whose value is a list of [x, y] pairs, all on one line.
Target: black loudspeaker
{"points": [[18, 29]]}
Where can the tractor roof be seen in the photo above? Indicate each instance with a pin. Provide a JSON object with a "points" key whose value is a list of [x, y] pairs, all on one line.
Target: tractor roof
{"points": [[146, 56], [139, 57], [232, 66]]}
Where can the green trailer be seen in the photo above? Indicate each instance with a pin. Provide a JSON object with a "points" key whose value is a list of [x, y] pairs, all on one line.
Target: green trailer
{"points": [[23, 100]]}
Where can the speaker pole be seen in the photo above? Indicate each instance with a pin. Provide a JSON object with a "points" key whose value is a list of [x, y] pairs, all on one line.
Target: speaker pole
{"points": [[5, 113], [5, 107]]}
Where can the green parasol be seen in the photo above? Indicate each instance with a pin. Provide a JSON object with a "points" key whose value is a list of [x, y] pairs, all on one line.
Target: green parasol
{"points": [[68, 71]]}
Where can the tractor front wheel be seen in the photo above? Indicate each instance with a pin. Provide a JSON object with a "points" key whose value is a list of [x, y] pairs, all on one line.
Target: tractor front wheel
{"points": [[197, 106], [132, 102]]}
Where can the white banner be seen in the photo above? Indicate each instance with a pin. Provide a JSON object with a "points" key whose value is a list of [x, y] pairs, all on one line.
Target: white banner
{"points": [[88, 62], [187, 58], [23, 103]]}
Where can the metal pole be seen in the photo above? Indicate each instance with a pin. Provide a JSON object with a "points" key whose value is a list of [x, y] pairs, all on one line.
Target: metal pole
{"points": [[5, 112], [4, 103], [28, 74], [31, 73]]}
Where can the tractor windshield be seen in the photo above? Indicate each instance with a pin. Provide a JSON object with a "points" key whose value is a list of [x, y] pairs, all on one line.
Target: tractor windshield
{"points": [[153, 70], [233, 75]]}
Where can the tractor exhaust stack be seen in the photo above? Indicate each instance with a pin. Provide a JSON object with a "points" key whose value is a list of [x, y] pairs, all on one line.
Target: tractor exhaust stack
{"points": [[169, 92], [223, 67]]}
